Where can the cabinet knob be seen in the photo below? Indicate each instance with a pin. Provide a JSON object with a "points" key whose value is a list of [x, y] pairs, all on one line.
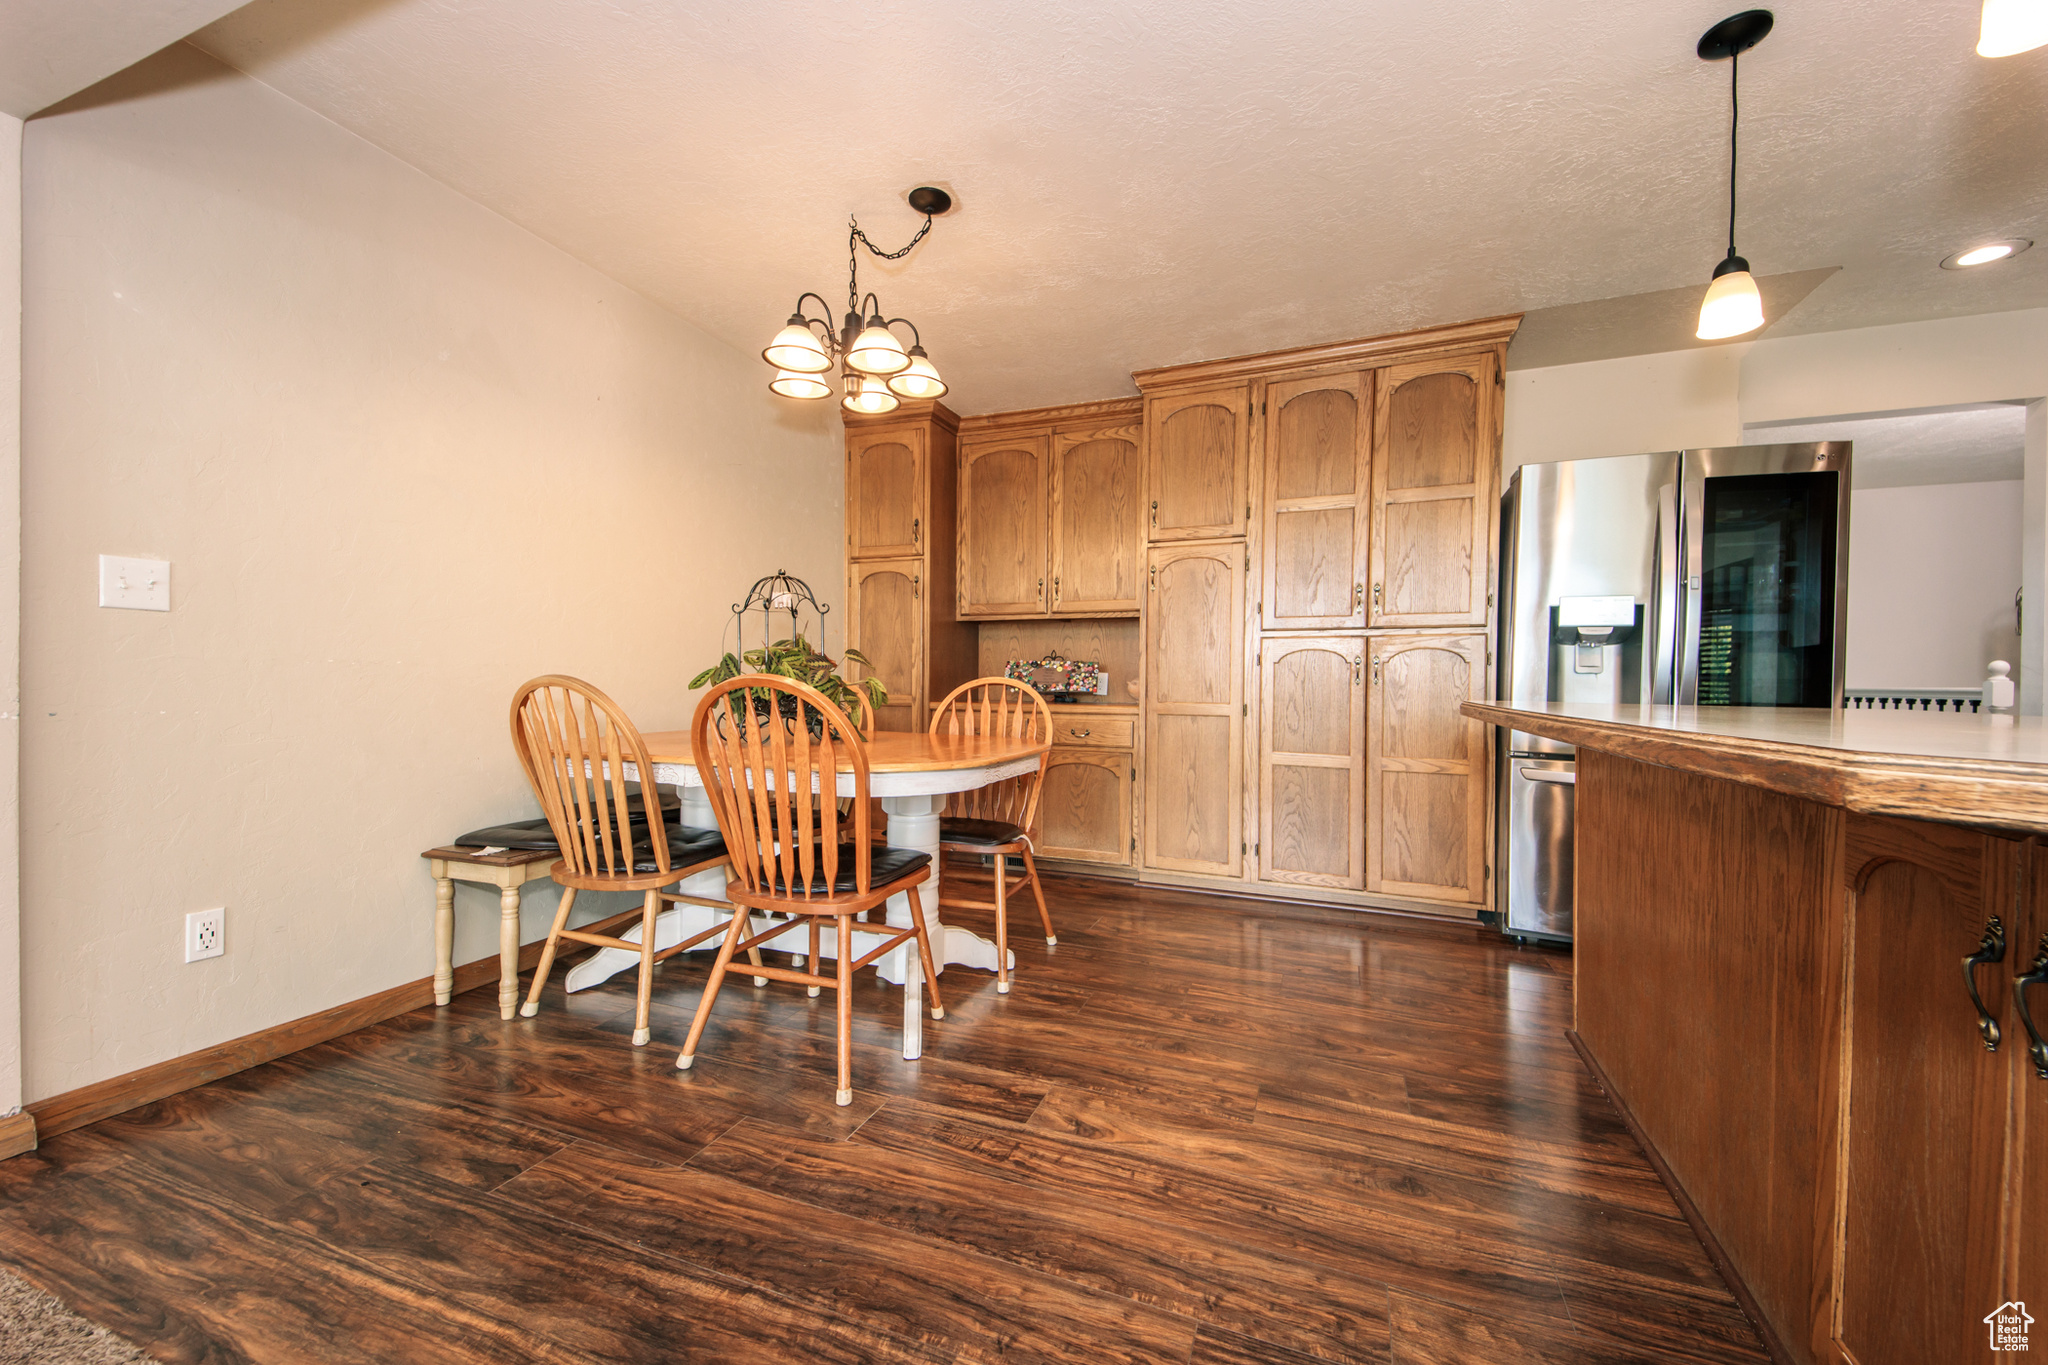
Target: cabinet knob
{"points": [[1055, 587], [1155, 514], [1991, 948], [1376, 595], [914, 524], [916, 587], [1375, 672], [1357, 671]]}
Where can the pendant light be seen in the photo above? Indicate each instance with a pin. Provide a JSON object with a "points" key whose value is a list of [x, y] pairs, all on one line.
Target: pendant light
{"points": [[876, 372], [1732, 305], [2011, 26]]}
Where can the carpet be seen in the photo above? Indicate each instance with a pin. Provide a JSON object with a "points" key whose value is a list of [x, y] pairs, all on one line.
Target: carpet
{"points": [[34, 1327]]}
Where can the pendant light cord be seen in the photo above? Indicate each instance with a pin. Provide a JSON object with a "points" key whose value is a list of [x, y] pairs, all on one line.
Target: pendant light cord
{"points": [[1734, 115]]}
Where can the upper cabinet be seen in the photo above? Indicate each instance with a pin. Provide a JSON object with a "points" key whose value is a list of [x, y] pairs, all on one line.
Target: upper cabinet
{"points": [[1097, 527], [885, 492], [1316, 506], [1435, 467], [1051, 513], [1003, 557], [1196, 462]]}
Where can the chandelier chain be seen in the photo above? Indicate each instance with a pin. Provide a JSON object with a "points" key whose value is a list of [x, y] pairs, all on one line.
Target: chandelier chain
{"points": [[856, 236]]}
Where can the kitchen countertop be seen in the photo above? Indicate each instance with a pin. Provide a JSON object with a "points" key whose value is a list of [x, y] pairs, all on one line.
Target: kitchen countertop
{"points": [[1988, 771]]}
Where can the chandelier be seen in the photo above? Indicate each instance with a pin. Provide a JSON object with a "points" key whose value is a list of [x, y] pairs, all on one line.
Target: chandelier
{"points": [[876, 373]]}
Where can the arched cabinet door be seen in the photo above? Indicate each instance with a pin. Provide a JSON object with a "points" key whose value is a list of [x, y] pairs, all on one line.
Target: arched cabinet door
{"points": [[885, 493], [1427, 775], [1435, 471], [1926, 1100], [1084, 808], [1315, 514], [1193, 708], [1196, 464], [1098, 541], [885, 622], [1002, 527], [1312, 761]]}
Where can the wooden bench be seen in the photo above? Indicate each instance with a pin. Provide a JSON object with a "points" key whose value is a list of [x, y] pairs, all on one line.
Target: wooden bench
{"points": [[509, 871]]}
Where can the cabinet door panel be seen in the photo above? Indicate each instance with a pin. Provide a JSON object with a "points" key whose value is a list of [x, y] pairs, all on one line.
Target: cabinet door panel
{"points": [[1427, 775], [2027, 1167], [885, 622], [885, 494], [1435, 466], [1097, 529], [1084, 808], [1318, 452], [1003, 527], [1926, 1100], [1194, 699], [1196, 459], [1312, 761]]}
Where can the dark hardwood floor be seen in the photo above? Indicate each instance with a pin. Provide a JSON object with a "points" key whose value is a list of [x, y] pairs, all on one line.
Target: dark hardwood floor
{"points": [[1200, 1130]]}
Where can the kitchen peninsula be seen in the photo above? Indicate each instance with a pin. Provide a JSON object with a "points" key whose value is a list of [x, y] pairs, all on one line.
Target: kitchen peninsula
{"points": [[1805, 946]]}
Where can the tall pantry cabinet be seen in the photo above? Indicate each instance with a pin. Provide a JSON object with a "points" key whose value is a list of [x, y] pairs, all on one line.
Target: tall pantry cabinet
{"points": [[1319, 600], [900, 500]]}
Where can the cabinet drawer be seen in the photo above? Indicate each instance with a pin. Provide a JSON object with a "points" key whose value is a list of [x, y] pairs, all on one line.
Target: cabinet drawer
{"points": [[1107, 732]]}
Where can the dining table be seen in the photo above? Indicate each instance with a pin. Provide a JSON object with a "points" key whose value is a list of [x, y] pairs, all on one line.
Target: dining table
{"points": [[912, 774]]}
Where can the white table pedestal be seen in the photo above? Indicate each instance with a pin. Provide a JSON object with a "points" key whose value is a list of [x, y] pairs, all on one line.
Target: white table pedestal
{"points": [[913, 823]]}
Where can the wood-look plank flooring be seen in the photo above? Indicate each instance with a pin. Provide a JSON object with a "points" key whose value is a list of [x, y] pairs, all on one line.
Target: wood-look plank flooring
{"points": [[1201, 1131]]}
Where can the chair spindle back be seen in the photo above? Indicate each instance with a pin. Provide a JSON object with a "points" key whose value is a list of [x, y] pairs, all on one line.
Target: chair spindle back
{"points": [[1008, 709], [575, 744], [768, 776]]}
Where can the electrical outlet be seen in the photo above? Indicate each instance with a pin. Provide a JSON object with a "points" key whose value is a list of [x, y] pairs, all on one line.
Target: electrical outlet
{"points": [[205, 934]]}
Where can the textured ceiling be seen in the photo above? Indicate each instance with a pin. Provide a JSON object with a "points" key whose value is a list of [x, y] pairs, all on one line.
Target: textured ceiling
{"points": [[1961, 445], [1146, 182]]}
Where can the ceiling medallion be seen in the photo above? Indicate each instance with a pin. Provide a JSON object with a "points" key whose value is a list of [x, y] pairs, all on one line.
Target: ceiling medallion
{"points": [[876, 373]]}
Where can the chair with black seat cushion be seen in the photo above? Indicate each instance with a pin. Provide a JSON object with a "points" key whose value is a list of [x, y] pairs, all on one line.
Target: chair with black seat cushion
{"points": [[1000, 820], [576, 746], [770, 751]]}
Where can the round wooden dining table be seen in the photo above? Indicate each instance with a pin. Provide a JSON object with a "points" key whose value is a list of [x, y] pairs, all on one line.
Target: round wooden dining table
{"points": [[912, 774]]}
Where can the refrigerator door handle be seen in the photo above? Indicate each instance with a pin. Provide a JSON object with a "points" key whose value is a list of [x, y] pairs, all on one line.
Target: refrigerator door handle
{"points": [[1666, 573], [1558, 775]]}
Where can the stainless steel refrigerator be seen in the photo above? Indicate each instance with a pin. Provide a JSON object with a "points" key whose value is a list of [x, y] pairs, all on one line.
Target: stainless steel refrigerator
{"points": [[1690, 578]]}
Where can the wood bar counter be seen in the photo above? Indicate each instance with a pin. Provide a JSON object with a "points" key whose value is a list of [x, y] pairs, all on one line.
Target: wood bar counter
{"points": [[1773, 914]]}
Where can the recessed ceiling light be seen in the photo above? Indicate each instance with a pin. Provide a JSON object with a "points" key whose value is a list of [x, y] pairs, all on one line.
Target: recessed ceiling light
{"points": [[1986, 254]]}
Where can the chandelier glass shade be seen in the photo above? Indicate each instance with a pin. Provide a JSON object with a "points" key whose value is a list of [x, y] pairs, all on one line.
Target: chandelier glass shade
{"points": [[877, 372]]}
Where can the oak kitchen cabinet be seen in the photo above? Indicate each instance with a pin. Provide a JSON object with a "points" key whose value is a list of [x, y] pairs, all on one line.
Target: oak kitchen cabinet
{"points": [[1050, 513], [1435, 498], [1317, 506], [1197, 462], [1312, 732], [1938, 1123], [1194, 708], [900, 472], [1428, 779], [1086, 807]]}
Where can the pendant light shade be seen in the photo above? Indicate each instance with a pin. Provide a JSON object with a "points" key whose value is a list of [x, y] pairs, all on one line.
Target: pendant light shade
{"points": [[2011, 26], [792, 384], [796, 347], [920, 380], [1733, 305], [877, 351], [868, 396]]}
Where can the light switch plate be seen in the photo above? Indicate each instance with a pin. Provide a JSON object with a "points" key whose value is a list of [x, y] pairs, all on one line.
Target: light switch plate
{"points": [[138, 584]]}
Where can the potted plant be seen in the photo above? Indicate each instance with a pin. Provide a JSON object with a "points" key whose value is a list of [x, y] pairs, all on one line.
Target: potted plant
{"points": [[796, 658]]}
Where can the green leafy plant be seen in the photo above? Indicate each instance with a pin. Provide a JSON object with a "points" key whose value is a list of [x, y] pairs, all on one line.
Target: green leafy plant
{"points": [[796, 658]]}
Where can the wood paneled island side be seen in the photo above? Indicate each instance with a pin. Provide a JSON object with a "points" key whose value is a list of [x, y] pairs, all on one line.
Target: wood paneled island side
{"points": [[1804, 945]]}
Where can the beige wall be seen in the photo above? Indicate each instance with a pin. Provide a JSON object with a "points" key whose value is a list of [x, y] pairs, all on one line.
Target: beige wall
{"points": [[402, 455], [10, 613]]}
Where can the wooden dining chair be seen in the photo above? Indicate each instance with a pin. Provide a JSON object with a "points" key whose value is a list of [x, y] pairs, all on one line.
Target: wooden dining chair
{"points": [[765, 771], [575, 744], [999, 820]]}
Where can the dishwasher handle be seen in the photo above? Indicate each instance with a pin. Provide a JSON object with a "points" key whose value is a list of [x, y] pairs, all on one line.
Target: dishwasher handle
{"points": [[1557, 775]]}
